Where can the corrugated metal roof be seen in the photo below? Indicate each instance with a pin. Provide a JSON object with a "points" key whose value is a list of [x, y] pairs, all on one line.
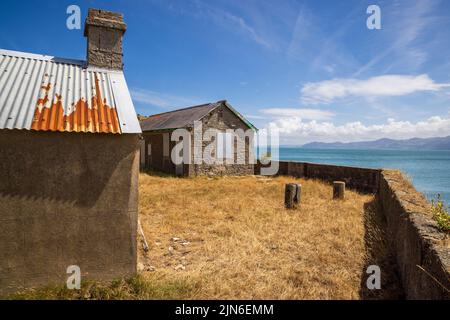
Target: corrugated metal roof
{"points": [[45, 93], [177, 118], [182, 118]]}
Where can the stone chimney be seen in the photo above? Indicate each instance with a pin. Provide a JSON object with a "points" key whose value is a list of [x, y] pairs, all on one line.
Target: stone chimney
{"points": [[104, 31]]}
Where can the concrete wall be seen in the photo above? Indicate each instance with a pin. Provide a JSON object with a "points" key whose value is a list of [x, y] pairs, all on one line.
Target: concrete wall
{"points": [[361, 179], [422, 252], [66, 199]]}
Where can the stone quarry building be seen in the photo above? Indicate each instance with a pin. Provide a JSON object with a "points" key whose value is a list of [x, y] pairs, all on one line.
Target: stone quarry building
{"points": [[220, 117], [69, 163]]}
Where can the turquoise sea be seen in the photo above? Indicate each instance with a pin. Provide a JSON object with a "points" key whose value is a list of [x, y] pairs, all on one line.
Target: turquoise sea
{"points": [[429, 170]]}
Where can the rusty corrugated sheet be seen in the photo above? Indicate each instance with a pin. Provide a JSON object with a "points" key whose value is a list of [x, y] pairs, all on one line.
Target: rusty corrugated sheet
{"points": [[83, 115], [49, 94]]}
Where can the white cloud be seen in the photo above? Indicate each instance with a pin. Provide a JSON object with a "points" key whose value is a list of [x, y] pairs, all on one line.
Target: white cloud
{"points": [[161, 100], [310, 114], [297, 131], [387, 85]]}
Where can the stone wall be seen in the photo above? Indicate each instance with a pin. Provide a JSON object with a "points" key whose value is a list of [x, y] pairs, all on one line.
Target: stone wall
{"points": [[222, 119], [66, 199], [104, 30], [422, 252]]}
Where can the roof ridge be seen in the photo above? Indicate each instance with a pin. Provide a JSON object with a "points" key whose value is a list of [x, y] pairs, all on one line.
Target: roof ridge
{"points": [[59, 60], [39, 56], [186, 108], [185, 117]]}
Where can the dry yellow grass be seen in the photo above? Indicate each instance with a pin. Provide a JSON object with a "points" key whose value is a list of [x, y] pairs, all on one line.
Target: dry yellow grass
{"points": [[236, 240]]}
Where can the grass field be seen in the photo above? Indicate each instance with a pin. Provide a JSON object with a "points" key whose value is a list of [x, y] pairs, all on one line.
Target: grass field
{"points": [[232, 238]]}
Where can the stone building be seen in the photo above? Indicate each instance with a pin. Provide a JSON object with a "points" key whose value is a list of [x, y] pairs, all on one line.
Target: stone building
{"points": [[211, 130], [69, 163]]}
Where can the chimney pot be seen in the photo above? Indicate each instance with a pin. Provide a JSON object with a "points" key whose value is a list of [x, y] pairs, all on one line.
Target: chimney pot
{"points": [[104, 31]]}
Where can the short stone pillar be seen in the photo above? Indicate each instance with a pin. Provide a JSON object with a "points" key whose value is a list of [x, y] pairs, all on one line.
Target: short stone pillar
{"points": [[292, 193], [338, 190]]}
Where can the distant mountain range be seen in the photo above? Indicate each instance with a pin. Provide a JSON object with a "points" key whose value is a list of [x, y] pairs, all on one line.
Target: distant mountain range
{"points": [[442, 143]]}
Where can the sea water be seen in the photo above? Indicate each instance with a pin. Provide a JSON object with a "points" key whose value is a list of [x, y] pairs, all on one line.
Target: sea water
{"points": [[429, 170]]}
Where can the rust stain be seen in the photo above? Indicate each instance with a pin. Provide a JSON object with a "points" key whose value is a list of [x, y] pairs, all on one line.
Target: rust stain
{"points": [[94, 117]]}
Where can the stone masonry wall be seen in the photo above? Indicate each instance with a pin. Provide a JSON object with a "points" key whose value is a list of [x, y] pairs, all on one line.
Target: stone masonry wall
{"points": [[66, 199], [104, 31], [222, 119]]}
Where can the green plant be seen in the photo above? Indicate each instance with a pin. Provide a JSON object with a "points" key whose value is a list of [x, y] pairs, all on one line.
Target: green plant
{"points": [[440, 214], [137, 287]]}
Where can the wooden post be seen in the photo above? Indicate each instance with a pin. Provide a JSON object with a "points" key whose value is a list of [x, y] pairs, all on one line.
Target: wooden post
{"points": [[298, 194], [338, 190], [292, 194]]}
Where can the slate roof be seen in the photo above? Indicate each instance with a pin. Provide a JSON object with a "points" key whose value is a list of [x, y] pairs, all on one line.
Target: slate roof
{"points": [[185, 117]]}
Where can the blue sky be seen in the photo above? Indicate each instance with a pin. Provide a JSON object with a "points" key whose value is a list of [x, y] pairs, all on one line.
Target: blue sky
{"points": [[311, 69]]}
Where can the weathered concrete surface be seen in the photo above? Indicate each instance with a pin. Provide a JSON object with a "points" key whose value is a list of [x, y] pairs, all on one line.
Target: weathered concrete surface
{"points": [[362, 179], [422, 251], [66, 199]]}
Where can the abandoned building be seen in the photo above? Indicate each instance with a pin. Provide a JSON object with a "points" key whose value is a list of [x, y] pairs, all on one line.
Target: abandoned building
{"points": [[158, 141], [69, 163]]}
